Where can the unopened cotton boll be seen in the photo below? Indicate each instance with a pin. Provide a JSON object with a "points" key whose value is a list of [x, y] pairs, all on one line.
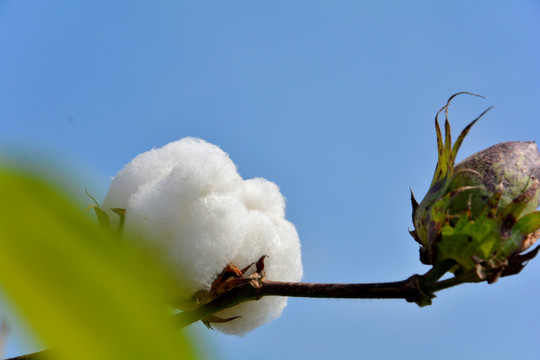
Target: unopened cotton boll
{"points": [[187, 202]]}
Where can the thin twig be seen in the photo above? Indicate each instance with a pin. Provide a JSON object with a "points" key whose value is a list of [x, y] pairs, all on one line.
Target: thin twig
{"points": [[419, 289]]}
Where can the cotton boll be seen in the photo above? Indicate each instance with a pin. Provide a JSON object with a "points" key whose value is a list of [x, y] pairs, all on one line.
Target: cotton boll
{"points": [[187, 202]]}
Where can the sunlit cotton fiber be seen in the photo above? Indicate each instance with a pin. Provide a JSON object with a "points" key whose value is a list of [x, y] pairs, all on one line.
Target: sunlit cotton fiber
{"points": [[188, 203]]}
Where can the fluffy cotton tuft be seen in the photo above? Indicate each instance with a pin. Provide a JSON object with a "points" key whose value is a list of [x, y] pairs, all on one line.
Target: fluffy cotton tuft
{"points": [[187, 201]]}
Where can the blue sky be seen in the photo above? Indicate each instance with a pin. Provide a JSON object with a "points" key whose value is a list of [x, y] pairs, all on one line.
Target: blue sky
{"points": [[332, 100]]}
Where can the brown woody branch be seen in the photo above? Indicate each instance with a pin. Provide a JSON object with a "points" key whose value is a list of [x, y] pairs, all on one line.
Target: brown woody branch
{"points": [[419, 289]]}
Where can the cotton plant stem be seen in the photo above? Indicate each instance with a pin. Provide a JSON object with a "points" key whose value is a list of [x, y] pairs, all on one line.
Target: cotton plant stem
{"points": [[414, 289], [470, 276], [392, 290]]}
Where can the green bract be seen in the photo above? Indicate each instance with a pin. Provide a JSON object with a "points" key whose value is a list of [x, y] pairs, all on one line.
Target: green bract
{"points": [[480, 213]]}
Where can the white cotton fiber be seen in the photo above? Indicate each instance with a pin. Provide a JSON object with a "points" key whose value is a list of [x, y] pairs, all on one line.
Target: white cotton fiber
{"points": [[187, 201]]}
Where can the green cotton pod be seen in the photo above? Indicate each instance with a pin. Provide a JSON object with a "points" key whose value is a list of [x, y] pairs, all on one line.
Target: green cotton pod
{"points": [[477, 219], [476, 212]]}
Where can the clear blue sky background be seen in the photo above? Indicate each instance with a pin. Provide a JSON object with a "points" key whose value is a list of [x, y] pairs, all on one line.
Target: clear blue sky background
{"points": [[332, 100]]}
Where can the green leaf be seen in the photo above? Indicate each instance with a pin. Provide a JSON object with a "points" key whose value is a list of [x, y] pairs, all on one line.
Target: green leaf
{"points": [[76, 286], [468, 238]]}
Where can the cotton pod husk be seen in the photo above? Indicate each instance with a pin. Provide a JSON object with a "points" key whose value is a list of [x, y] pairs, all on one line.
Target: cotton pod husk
{"points": [[480, 213], [187, 203]]}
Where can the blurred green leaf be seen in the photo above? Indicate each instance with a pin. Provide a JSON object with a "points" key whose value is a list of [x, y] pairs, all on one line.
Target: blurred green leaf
{"points": [[81, 290]]}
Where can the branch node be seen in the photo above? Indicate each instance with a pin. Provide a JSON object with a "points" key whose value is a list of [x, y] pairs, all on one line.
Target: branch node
{"points": [[418, 294]]}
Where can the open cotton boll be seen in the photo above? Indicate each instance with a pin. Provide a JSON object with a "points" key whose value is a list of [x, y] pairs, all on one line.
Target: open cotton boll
{"points": [[187, 202]]}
